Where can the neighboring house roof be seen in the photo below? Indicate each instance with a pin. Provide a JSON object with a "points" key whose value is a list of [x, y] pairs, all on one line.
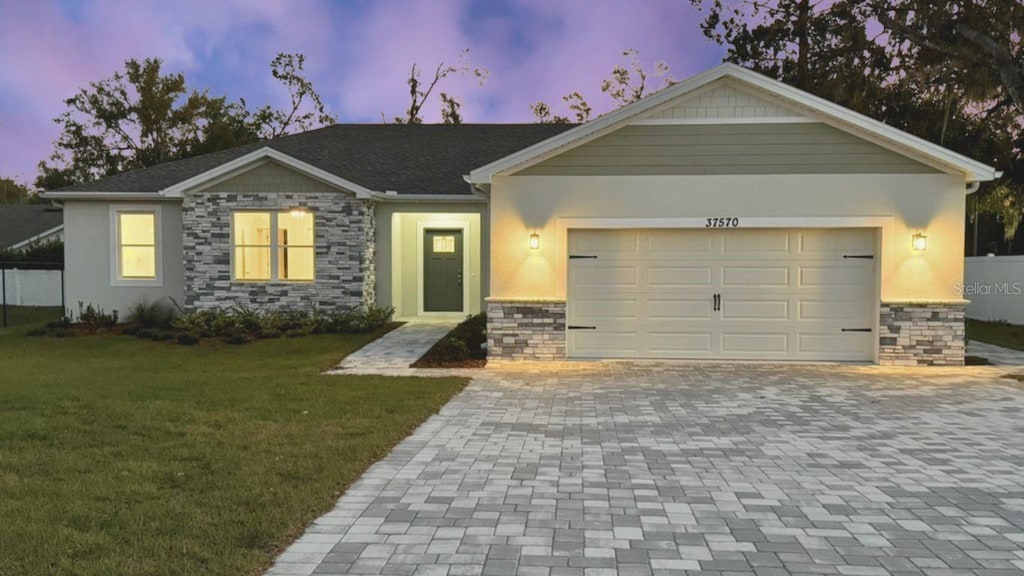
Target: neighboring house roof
{"points": [[812, 106], [408, 159], [21, 224]]}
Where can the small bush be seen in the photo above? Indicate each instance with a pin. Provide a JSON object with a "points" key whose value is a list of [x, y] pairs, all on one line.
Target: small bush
{"points": [[238, 339], [449, 349], [150, 315], [187, 339], [94, 318]]}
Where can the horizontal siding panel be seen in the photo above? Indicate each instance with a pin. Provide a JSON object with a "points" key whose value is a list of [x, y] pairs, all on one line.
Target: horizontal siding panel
{"points": [[728, 149]]}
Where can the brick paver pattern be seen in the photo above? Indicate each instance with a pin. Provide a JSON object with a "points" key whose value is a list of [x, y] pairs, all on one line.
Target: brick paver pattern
{"points": [[598, 469]]}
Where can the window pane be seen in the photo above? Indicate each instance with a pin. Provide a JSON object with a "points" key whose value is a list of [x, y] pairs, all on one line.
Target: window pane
{"points": [[138, 262], [295, 229], [252, 228], [295, 263], [252, 263], [444, 244], [138, 229]]}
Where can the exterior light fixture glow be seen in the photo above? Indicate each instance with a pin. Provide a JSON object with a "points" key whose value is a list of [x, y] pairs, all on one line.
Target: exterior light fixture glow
{"points": [[297, 212], [920, 242], [534, 241]]}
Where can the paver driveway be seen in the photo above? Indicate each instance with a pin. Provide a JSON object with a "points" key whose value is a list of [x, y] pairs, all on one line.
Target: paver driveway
{"points": [[636, 469]]}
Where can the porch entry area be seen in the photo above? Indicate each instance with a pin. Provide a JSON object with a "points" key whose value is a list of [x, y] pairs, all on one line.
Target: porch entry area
{"points": [[436, 265]]}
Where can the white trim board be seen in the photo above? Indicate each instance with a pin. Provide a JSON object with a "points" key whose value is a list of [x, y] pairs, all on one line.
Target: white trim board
{"points": [[828, 112], [421, 228], [115, 243], [41, 237]]}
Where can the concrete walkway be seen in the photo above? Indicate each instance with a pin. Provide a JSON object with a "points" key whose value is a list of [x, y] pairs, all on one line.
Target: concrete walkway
{"points": [[392, 353], [996, 354], [662, 469]]}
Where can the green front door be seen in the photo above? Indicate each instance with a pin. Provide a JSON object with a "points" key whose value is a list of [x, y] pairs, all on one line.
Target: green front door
{"points": [[442, 271]]}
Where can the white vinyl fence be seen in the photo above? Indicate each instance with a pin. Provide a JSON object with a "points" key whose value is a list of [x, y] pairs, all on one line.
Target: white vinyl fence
{"points": [[995, 287], [32, 287]]}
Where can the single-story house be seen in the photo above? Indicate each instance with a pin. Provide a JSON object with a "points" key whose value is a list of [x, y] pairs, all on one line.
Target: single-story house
{"points": [[25, 225], [728, 216]]}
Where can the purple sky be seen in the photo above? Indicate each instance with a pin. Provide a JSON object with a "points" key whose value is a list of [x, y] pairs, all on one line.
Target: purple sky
{"points": [[358, 53]]}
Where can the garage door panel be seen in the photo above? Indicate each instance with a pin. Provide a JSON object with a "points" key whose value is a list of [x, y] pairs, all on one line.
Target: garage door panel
{"points": [[679, 309], [665, 276], [835, 275], [745, 242], [682, 343], [835, 242], [688, 243], [742, 343], [603, 276], [746, 309], [606, 308], [785, 295], [755, 276]]}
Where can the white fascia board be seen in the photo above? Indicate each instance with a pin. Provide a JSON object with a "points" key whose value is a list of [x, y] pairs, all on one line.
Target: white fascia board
{"points": [[263, 154], [86, 195], [830, 112], [42, 236], [436, 198]]}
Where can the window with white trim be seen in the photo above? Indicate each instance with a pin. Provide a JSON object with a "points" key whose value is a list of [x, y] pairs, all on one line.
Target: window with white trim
{"points": [[273, 246], [136, 244]]}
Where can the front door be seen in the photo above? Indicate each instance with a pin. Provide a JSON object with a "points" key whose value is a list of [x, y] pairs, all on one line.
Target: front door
{"points": [[442, 271]]}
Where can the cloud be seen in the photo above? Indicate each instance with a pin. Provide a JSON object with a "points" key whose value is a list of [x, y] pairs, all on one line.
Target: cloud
{"points": [[358, 53]]}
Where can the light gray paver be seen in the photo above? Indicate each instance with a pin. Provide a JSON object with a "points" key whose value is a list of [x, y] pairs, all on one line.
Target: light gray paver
{"points": [[996, 354], [395, 351], [658, 469]]}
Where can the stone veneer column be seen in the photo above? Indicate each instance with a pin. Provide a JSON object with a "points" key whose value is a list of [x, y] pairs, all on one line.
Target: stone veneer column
{"points": [[345, 252], [525, 329], [922, 334]]}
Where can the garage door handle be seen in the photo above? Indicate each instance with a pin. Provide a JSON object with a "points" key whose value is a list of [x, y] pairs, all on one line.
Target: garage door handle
{"points": [[859, 256], [581, 257], [582, 327], [717, 305], [858, 329]]}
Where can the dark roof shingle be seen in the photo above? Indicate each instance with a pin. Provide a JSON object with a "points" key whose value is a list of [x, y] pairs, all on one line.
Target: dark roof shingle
{"points": [[410, 159], [20, 222]]}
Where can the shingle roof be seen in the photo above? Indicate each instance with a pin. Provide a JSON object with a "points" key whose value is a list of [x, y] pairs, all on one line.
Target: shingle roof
{"points": [[19, 222], [410, 159]]}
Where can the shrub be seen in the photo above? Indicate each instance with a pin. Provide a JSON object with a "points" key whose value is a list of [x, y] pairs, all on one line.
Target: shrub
{"points": [[94, 318], [187, 339], [449, 349], [150, 315]]}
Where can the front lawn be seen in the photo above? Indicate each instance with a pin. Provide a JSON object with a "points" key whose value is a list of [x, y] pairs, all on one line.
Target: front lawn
{"points": [[998, 333], [131, 457]]}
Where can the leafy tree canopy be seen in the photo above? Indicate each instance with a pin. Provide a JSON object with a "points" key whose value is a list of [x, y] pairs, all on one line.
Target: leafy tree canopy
{"points": [[14, 192], [141, 116]]}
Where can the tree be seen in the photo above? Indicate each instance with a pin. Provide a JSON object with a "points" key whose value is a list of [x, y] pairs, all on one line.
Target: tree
{"points": [[307, 110], [141, 117], [938, 70], [624, 84], [14, 192], [419, 92]]}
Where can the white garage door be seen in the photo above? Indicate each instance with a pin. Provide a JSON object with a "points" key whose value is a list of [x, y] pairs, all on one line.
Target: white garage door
{"points": [[771, 294]]}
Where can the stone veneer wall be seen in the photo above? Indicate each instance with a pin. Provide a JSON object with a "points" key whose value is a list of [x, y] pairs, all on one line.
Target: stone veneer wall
{"points": [[345, 254], [921, 334], [526, 329]]}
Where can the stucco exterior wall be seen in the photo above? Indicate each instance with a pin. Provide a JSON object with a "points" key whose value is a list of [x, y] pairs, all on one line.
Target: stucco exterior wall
{"points": [[88, 264], [397, 273], [934, 203]]}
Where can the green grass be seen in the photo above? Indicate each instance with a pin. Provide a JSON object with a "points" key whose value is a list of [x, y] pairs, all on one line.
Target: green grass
{"points": [[998, 333], [130, 457], [20, 316]]}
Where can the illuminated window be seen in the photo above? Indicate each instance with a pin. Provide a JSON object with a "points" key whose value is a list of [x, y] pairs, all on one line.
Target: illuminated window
{"points": [[444, 244], [274, 246], [136, 245]]}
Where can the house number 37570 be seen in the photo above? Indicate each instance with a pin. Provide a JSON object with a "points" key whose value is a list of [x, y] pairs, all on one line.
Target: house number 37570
{"points": [[721, 222]]}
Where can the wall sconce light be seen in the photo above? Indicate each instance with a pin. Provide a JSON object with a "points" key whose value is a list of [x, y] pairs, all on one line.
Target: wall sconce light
{"points": [[920, 242], [297, 212], [534, 241]]}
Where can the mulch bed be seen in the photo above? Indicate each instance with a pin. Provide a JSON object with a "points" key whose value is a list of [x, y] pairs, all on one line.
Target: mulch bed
{"points": [[426, 362]]}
